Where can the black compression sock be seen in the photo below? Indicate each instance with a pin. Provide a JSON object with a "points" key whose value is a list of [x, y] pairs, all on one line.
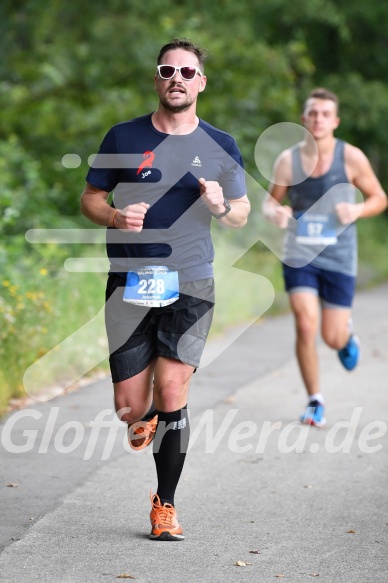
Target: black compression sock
{"points": [[170, 447]]}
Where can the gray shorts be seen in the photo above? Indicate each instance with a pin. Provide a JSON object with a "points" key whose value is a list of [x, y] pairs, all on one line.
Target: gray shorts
{"points": [[138, 334]]}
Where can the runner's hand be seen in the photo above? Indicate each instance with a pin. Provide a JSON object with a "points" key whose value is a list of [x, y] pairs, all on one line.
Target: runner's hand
{"points": [[131, 217], [280, 215], [348, 212], [212, 194]]}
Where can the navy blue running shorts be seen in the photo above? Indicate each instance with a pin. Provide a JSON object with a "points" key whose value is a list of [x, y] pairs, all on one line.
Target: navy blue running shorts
{"points": [[137, 334], [335, 289]]}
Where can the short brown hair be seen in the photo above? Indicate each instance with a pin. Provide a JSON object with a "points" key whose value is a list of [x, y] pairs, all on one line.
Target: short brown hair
{"points": [[322, 93], [187, 45]]}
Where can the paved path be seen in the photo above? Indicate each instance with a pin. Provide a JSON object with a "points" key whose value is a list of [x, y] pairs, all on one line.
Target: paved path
{"points": [[288, 502]]}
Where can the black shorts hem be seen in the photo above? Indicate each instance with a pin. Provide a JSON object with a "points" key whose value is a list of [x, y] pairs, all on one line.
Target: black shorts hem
{"points": [[125, 365], [174, 356]]}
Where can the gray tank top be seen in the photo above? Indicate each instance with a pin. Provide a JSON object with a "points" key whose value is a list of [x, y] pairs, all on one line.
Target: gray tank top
{"points": [[317, 237]]}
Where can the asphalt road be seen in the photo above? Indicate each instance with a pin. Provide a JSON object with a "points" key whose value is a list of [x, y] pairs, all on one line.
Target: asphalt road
{"points": [[261, 497]]}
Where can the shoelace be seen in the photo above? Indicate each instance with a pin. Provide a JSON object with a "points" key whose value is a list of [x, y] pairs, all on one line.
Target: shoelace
{"points": [[165, 513], [147, 429]]}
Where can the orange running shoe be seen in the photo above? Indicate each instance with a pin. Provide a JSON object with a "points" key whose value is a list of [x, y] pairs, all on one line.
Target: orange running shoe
{"points": [[141, 433], [164, 522]]}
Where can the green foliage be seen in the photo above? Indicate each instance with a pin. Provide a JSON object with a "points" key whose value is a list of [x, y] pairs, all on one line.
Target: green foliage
{"points": [[71, 70], [373, 245], [25, 199], [40, 306], [23, 311]]}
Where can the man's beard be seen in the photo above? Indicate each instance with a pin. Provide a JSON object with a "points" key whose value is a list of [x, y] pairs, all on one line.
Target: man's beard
{"points": [[175, 108]]}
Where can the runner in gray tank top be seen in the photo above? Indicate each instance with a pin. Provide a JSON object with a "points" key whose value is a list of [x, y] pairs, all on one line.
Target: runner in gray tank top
{"points": [[319, 177], [316, 197]]}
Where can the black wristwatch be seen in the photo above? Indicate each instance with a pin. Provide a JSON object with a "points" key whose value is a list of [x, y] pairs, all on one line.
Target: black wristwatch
{"points": [[227, 210]]}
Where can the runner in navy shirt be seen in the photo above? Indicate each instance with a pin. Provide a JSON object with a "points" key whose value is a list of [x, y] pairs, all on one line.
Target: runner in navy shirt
{"points": [[171, 174]]}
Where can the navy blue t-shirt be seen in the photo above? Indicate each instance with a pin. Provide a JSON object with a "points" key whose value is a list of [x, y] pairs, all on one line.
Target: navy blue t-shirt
{"points": [[140, 164]]}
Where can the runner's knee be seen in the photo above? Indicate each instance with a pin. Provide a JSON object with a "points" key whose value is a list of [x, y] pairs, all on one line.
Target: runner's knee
{"points": [[130, 414], [169, 395], [306, 328], [334, 338]]}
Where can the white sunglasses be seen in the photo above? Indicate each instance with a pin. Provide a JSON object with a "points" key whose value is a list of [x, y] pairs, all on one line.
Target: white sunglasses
{"points": [[187, 73]]}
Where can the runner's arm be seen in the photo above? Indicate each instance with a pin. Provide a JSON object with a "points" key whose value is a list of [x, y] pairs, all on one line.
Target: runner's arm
{"points": [[238, 216], [94, 205], [361, 174], [272, 208], [212, 194]]}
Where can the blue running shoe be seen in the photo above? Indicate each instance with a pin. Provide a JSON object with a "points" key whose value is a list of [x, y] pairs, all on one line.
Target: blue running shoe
{"points": [[314, 414], [350, 354]]}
